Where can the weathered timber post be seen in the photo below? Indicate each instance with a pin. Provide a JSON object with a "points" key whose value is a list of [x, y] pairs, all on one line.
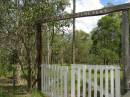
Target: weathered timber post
{"points": [[125, 49], [38, 53], [73, 42]]}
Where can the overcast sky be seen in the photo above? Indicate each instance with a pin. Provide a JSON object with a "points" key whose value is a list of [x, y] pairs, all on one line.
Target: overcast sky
{"points": [[88, 23]]}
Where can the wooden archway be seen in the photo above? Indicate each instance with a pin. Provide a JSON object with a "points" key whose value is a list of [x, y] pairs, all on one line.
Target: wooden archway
{"points": [[125, 35]]}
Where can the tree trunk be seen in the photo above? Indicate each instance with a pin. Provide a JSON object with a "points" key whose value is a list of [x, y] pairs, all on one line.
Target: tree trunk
{"points": [[29, 79], [39, 53], [48, 47], [18, 73], [62, 56], [51, 44]]}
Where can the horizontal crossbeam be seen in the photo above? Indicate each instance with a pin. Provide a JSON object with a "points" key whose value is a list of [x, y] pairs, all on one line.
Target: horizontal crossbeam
{"points": [[103, 11]]}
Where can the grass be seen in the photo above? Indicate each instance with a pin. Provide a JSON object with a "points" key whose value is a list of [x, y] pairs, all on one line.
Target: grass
{"points": [[2, 93], [34, 93], [7, 90]]}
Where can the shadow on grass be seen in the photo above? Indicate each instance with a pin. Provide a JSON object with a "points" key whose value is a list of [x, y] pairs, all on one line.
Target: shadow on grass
{"points": [[8, 90]]}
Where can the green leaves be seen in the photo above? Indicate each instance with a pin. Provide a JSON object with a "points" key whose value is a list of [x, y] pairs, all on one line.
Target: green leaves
{"points": [[107, 38]]}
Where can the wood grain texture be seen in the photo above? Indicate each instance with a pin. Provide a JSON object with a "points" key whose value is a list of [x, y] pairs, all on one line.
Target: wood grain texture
{"points": [[102, 11]]}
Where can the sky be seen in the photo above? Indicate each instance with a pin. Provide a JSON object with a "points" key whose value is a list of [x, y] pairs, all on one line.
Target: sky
{"points": [[88, 23], [104, 2]]}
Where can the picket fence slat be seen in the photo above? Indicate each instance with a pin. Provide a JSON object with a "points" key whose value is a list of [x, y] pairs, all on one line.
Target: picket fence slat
{"points": [[42, 78], [84, 81], [95, 82], [66, 82], [106, 82], [71, 81], [89, 82], [61, 84], [101, 82], [117, 82], [58, 81], [78, 86], [112, 83]]}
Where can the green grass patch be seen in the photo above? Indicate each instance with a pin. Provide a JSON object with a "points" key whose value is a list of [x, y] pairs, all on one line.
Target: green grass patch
{"points": [[2, 94], [36, 93]]}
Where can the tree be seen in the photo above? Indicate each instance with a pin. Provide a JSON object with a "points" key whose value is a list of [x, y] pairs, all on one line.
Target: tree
{"points": [[107, 39], [17, 28], [83, 46]]}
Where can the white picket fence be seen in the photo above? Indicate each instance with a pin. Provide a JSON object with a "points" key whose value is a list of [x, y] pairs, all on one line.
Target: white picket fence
{"points": [[81, 81]]}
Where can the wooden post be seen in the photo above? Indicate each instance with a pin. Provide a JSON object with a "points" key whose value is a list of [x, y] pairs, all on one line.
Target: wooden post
{"points": [[125, 48], [73, 42], [39, 53]]}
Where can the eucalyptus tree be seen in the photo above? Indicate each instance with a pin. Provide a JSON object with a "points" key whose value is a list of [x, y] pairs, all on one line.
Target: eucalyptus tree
{"points": [[32, 11], [107, 39], [17, 29]]}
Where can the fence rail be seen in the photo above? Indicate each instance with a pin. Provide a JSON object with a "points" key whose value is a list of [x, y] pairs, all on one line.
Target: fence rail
{"points": [[81, 81]]}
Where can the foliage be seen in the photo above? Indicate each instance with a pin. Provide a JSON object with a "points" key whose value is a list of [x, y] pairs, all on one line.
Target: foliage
{"points": [[107, 39], [18, 20], [83, 46], [62, 47], [17, 30]]}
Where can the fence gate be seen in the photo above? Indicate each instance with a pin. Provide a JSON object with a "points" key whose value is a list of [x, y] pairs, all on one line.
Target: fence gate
{"points": [[81, 81]]}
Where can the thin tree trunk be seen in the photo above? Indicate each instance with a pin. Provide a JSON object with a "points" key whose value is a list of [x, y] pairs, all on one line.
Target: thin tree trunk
{"points": [[48, 47], [62, 56], [39, 53], [18, 73], [51, 44], [29, 79]]}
